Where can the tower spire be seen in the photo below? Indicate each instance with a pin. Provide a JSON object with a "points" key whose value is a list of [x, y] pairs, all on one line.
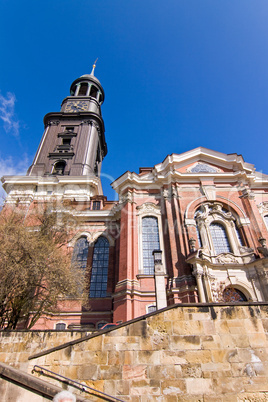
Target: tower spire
{"points": [[94, 66]]}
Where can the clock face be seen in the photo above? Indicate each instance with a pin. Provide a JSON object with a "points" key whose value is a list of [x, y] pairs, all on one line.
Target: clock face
{"points": [[76, 106]]}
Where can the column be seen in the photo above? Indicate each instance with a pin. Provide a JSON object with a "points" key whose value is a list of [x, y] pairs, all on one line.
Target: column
{"points": [[198, 273]]}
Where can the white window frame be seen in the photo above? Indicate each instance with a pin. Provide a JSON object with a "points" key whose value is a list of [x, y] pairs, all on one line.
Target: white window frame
{"points": [[145, 210], [150, 305], [60, 322], [212, 212]]}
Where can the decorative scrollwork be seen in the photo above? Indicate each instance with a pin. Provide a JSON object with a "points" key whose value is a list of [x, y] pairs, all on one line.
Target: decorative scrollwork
{"points": [[226, 258], [148, 208]]}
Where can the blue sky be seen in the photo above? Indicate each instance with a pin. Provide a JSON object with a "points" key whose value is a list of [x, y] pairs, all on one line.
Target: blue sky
{"points": [[177, 75]]}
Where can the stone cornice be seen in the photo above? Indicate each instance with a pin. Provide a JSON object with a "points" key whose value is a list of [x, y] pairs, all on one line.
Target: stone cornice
{"points": [[149, 181], [208, 156], [45, 188], [50, 180], [167, 172]]}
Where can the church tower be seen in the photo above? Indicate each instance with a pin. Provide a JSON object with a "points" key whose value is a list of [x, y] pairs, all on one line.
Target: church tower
{"points": [[69, 158]]}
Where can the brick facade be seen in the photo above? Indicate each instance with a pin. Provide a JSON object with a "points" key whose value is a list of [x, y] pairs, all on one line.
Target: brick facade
{"points": [[192, 189]]}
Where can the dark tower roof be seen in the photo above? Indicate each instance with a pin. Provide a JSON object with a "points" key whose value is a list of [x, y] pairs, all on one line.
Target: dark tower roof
{"points": [[88, 78]]}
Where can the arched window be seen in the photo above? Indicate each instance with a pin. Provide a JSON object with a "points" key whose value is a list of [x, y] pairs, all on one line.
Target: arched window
{"points": [[80, 253], [219, 229], [59, 168], [150, 242], [219, 238], [83, 88], [99, 273], [233, 295], [93, 92], [266, 220], [60, 326]]}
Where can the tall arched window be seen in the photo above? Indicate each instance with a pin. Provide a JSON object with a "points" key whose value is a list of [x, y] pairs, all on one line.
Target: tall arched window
{"points": [[93, 92], [266, 221], [219, 238], [83, 88], [80, 253], [99, 273], [150, 242], [219, 229]]}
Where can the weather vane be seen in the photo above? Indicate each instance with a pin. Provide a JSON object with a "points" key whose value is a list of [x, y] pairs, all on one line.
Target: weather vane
{"points": [[94, 65]]}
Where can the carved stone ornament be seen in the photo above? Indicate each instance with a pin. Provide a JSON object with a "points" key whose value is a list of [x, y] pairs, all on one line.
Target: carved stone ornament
{"points": [[171, 192], [148, 208], [192, 242], [127, 197], [252, 276], [263, 207], [92, 123], [174, 192], [263, 251], [198, 272], [213, 209], [226, 258], [247, 193], [159, 269], [53, 122], [203, 168], [166, 193], [263, 274], [245, 250]]}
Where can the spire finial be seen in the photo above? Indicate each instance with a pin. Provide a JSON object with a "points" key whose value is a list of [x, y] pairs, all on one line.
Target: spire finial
{"points": [[93, 67]]}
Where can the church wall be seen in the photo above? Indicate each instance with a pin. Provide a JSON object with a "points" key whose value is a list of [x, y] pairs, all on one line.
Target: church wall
{"points": [[189, 353], [178, 202], [66, 173]]}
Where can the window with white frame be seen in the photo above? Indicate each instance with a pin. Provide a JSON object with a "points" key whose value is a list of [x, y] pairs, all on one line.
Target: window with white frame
{"points": [[266, 220], [150, 236], [217, 229], [151, 308], [99, 272], [219, 238], [60, 326], [150, 242]]}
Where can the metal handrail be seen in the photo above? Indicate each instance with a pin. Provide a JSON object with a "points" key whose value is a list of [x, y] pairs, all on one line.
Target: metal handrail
{"points": [[82, 387]]}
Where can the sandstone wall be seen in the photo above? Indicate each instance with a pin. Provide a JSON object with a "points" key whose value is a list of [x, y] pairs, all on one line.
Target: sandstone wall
{"points": [[183, 353]]}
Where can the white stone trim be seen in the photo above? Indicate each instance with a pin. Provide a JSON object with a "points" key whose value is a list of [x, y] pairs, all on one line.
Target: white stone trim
{"points": [[60, 322], [227, 220], [189, 222], [96, 235], [77, 236]]}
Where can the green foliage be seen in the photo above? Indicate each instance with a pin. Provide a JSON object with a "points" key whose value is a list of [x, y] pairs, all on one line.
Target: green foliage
{"points": [[35, 268]]}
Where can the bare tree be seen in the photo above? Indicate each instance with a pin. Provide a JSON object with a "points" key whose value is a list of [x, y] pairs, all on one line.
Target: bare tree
{"points": [[35, 267]]}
